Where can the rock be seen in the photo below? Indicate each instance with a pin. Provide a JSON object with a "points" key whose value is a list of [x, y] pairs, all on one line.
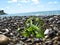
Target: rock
{"points": [[37, 40], [3, 39], [55, 28], [0, 32], [14, 41], [24, 39], [28, 40], [51, 19], [11, 34], [21, 42], [46, 36], [55, 38], [47, 31], [51, 33], [58, 22], [58, 43], [7, 30], [58, 32], [55, 42], [51, 25], [18, 44], [49, 42], [2, 12]]}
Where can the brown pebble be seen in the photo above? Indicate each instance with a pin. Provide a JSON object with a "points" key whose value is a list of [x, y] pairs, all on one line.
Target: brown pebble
{"points": [[56, 38], [4, 40], [45, 37]]}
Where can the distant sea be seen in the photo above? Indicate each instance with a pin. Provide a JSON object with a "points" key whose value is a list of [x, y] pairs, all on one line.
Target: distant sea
{"points": [[41, 13]]}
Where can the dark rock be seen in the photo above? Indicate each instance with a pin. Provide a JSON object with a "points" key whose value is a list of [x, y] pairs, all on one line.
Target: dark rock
{"points": [[52, 34], [2, 12]]}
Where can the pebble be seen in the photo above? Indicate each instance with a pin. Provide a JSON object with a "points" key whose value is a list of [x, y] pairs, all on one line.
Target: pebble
{"points": [[55, 28], [49, 43], [24, 39], [0, 32], [46, 36], [55, 38], [58, 22], [8, 26], [50, 19], [47, 31], [37, 40], [7, 30], [28, 40], [3, 39]]}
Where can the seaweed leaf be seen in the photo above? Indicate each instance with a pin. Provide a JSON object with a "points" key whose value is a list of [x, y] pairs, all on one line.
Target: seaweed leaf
{"points": [[33, 29]]}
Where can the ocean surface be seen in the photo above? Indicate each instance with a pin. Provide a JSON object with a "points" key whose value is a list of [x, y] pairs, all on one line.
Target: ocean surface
{"points": [[42, 13]]}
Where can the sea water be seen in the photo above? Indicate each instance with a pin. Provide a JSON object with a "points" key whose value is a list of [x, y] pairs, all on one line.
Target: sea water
{"points": [[43, 13]]}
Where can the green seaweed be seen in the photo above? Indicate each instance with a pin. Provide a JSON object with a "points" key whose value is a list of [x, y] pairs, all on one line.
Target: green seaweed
{"points": [[35, 30]]}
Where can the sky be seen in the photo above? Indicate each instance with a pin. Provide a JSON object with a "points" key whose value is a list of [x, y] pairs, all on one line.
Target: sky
{"points": [[22, 6]]}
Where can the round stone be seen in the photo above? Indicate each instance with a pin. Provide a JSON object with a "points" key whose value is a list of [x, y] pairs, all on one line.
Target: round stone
{"points": [[4, 40]]}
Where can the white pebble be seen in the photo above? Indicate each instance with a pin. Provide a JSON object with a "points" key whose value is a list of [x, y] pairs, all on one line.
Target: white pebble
{"points": [[47, 31]]}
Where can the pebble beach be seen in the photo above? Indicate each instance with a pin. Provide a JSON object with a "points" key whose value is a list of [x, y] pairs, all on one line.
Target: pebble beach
{"points": [[9, 25]]}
